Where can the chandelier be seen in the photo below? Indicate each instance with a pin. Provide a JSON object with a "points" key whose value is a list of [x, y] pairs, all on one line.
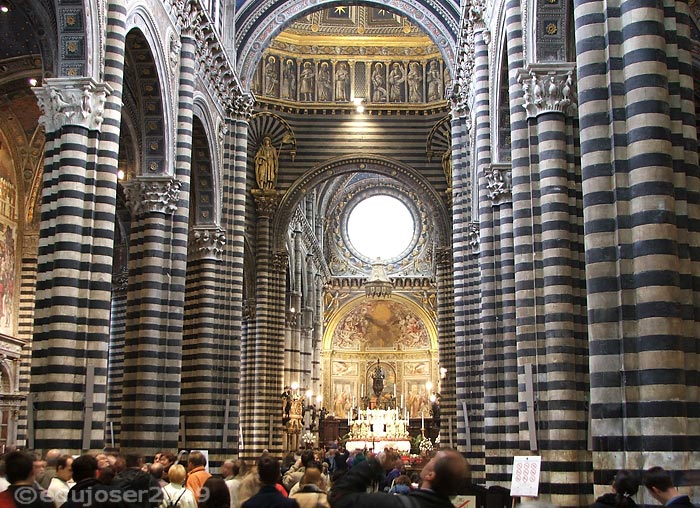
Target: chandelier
{"points": [[378, 284]]}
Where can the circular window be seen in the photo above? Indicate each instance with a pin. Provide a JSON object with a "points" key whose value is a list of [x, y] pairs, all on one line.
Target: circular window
{"points": [[380, 227]]}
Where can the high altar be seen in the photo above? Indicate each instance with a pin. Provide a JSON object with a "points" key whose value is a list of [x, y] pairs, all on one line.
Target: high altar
{"points": [[377, 429]]}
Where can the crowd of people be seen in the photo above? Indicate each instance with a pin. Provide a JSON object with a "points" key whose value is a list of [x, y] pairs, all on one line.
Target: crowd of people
{"points": [[332, 478]]}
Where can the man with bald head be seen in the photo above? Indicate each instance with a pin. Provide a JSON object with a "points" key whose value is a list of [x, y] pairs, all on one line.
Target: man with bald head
{"points": [[440, 478], [48, 473]]}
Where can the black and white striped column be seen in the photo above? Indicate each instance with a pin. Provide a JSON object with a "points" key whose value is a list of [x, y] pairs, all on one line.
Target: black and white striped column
{"points": [[73, 289]]}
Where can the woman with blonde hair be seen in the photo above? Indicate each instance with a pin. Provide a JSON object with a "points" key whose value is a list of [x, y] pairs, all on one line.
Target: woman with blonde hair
{"points": [[312, 493], [175, 495]]}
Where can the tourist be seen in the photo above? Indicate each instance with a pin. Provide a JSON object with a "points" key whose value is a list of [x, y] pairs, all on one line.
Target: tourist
{"points": [[215, 494], [175, 495], [140, 489], [62, 482], [401, 485], [196, 474], [660, 485], [19, 467], [269, 496], [440, 478], [88, 491], [624, 486], [312, 493]]}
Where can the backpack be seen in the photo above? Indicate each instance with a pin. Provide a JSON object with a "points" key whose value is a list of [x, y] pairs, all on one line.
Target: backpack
{"points": [[171, 503]]}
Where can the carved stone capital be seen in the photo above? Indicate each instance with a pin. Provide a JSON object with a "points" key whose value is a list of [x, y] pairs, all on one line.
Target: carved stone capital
{"points": [[152, 195], [71, 101], [443, 256], [266, 201], [120, 281], [242, 106], [291, 319], [249, 310], [280, 261], [548, 89], [499, 183], [473, 235], [208, 242]]}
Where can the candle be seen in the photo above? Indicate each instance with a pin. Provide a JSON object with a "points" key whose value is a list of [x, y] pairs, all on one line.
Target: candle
{"points": [[394, 392], [422, 421], [401, 400], [362, 390]]}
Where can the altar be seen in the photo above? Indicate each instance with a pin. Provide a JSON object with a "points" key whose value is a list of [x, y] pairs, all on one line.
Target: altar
{"points": [[377, 429]]}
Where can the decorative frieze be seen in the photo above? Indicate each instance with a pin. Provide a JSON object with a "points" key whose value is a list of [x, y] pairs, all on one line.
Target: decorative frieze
{"points": [[443, 256], [71, 101], [152, 195], [473, 236], [462, 93], [208, 242], [499, 183], [548, 89]]}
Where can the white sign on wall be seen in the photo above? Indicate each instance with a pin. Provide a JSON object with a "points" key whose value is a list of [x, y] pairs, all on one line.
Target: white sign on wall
{"points": [[526, 476]]}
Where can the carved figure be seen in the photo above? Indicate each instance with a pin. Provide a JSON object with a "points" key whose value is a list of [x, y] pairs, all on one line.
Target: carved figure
{"points": [[266, 165], [342, 76], [379, 83], [270, 76], [434, 82], [324, 82], [396, 79], [447, 165], [289, 81], [415, 82], [307, 82]]}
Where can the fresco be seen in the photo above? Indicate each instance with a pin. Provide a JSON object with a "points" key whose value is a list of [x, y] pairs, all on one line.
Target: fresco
{"points": [[8, 239], [381, 324]]}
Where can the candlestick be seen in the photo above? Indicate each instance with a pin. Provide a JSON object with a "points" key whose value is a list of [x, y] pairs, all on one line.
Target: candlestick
{"points": [[362, 390], [422, 421], [394, 392], [401, 401]]}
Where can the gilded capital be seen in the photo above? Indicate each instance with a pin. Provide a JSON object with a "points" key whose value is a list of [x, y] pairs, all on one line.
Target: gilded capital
{"points": [[71, 101], [152, 195], [208, 242], [548, 89]]}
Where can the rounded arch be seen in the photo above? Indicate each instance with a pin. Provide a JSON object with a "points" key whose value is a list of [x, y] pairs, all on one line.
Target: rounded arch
{"points": [[360, 300], [160, 100], [345, 165], [207, 196], [257, 23]]}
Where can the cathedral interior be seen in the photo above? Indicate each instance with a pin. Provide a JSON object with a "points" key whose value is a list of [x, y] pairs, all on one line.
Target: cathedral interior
{"points": [[210, 208]]}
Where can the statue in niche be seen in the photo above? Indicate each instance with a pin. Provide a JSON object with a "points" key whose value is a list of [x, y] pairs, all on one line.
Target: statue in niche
{"points": [[379, 83], [434, 81], [342, 76], [307, 82], [324, 83], [289, 81], [447, 164], [396, 79], [270, 75], [266, 165], [415, 82]]}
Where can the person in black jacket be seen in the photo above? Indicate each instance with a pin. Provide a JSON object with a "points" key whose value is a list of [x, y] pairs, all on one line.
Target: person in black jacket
{"points": [[660, 485], [268, 496], [440, 478], [139, 489], [88, 491], [624, 487]]}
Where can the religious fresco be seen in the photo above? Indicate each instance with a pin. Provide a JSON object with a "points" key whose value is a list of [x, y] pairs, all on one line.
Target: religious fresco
{"points": [[381, 324], [344, 368], [417, 398], [343, 398], [8, 241]]}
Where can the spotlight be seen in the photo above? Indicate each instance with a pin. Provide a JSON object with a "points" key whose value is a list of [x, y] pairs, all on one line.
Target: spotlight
{"points": [[4, 8], [32, 82], [120, 175]]}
